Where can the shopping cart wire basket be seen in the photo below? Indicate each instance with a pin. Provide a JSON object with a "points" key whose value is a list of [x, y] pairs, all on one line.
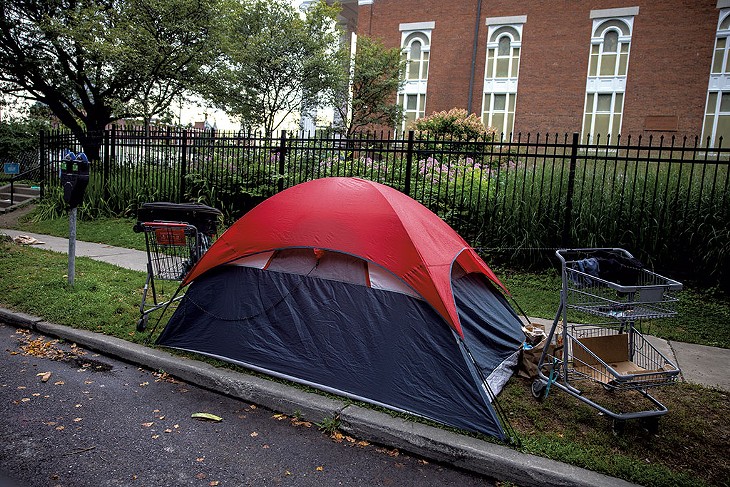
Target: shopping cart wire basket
{"points": [[176, 237]]}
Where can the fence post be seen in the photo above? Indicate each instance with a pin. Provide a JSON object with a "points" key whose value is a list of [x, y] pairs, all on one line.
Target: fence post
{"points": [[183, 165], [282, 159], [42, 160], [409, 162], [109, 152], [567, 219]]}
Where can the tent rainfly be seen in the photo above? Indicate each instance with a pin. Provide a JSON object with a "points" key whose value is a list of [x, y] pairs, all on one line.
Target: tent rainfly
{"points": [[355, 288]]}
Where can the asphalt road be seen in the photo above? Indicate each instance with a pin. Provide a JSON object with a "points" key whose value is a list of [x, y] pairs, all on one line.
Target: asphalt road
{"points": [[73, 418]]}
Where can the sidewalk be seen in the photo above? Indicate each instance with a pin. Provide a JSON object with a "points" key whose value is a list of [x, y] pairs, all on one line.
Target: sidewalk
{"points": [[700, 364]]}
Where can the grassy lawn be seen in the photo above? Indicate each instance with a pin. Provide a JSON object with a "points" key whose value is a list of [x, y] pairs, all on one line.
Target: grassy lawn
{"points": [[690, 448]]}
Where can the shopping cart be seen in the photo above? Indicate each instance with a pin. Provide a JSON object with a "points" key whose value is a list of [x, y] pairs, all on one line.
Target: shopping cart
{"points": [[176, 236], [613, 289]]}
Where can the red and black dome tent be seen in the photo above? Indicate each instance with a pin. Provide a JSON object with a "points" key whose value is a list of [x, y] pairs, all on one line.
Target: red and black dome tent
{"points": [[353, 287]]}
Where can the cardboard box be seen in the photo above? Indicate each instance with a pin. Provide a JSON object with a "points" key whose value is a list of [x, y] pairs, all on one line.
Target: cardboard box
{"points": [[612, 350]]}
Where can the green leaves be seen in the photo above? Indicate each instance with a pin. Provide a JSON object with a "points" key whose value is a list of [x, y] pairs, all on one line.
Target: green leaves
{"points": [[272, 61], [377, 77], [95, 62]]}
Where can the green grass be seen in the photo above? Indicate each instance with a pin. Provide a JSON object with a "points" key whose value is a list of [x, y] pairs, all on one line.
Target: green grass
{"points": [[111, 231]]}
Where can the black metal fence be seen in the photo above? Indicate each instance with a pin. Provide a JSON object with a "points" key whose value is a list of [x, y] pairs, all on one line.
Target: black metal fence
{"points": [[666, 199]]}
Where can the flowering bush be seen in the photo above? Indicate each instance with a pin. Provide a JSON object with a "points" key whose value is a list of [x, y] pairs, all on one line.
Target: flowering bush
{"points": [[456, 123]]}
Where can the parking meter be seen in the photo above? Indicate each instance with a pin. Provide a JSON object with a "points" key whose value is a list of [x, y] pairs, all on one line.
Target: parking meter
{"points": [[74, 178]]}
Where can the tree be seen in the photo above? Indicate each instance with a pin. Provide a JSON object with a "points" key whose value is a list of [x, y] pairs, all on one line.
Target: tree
{"points": [[368, 97], [96, 61], [19, 135], [275, 61]]}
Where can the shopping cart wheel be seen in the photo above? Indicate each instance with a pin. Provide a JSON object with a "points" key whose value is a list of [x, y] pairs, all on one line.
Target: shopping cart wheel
{"points": [[538, 389], [618, 426], [650, 424], [142, 323]]}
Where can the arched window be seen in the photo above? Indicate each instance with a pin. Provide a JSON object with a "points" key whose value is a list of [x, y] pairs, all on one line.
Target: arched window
{"points": [[504, 42], [610, 49], [607, 70], [717, 108], [416, 51], [503, 54]]}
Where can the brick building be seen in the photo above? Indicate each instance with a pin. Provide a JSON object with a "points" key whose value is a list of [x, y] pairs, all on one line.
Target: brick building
{"points": [[606, 67]]}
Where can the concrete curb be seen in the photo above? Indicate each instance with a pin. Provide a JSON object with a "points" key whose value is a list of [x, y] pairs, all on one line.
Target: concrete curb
{"points": [[495, 461]]}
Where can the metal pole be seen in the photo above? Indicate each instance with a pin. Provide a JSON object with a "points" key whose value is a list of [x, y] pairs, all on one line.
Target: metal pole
{"points": [[71, 245], [568, 216], [409, 162]]}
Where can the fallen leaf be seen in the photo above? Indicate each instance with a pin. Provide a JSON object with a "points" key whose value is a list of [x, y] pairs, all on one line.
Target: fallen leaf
{"points": [[147, 425], [20, 388], [176, 426], [60, 428], [200, 476], [200, 459], [168, 430], [44, 376], [154, 437], [363, 443], [59, 383], [143, 384], [266, 447], [25, 399], [213, 483], [423, 462], [254, 434], [319, 469], [76, 420], [77, 406], [287, 472], [279, 416], [206, 417]]}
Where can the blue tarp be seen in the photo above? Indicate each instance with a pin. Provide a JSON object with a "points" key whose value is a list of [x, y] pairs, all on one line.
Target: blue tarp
{"points": [[379, 346]]}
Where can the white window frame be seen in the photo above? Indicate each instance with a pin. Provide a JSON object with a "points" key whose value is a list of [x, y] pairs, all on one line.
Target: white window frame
{"points": [[719, 84], [415, 88], [621, 22], [499, 28]]}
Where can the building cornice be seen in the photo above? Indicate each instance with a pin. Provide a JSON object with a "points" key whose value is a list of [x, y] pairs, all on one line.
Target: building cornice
{"points": [[615, 12]]}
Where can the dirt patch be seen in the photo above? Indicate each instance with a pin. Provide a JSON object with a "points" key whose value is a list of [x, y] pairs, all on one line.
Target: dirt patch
{"points": [[12, 218]]}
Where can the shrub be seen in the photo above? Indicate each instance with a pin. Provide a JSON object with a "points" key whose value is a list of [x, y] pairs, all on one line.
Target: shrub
{"points": [[456, 123]]}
